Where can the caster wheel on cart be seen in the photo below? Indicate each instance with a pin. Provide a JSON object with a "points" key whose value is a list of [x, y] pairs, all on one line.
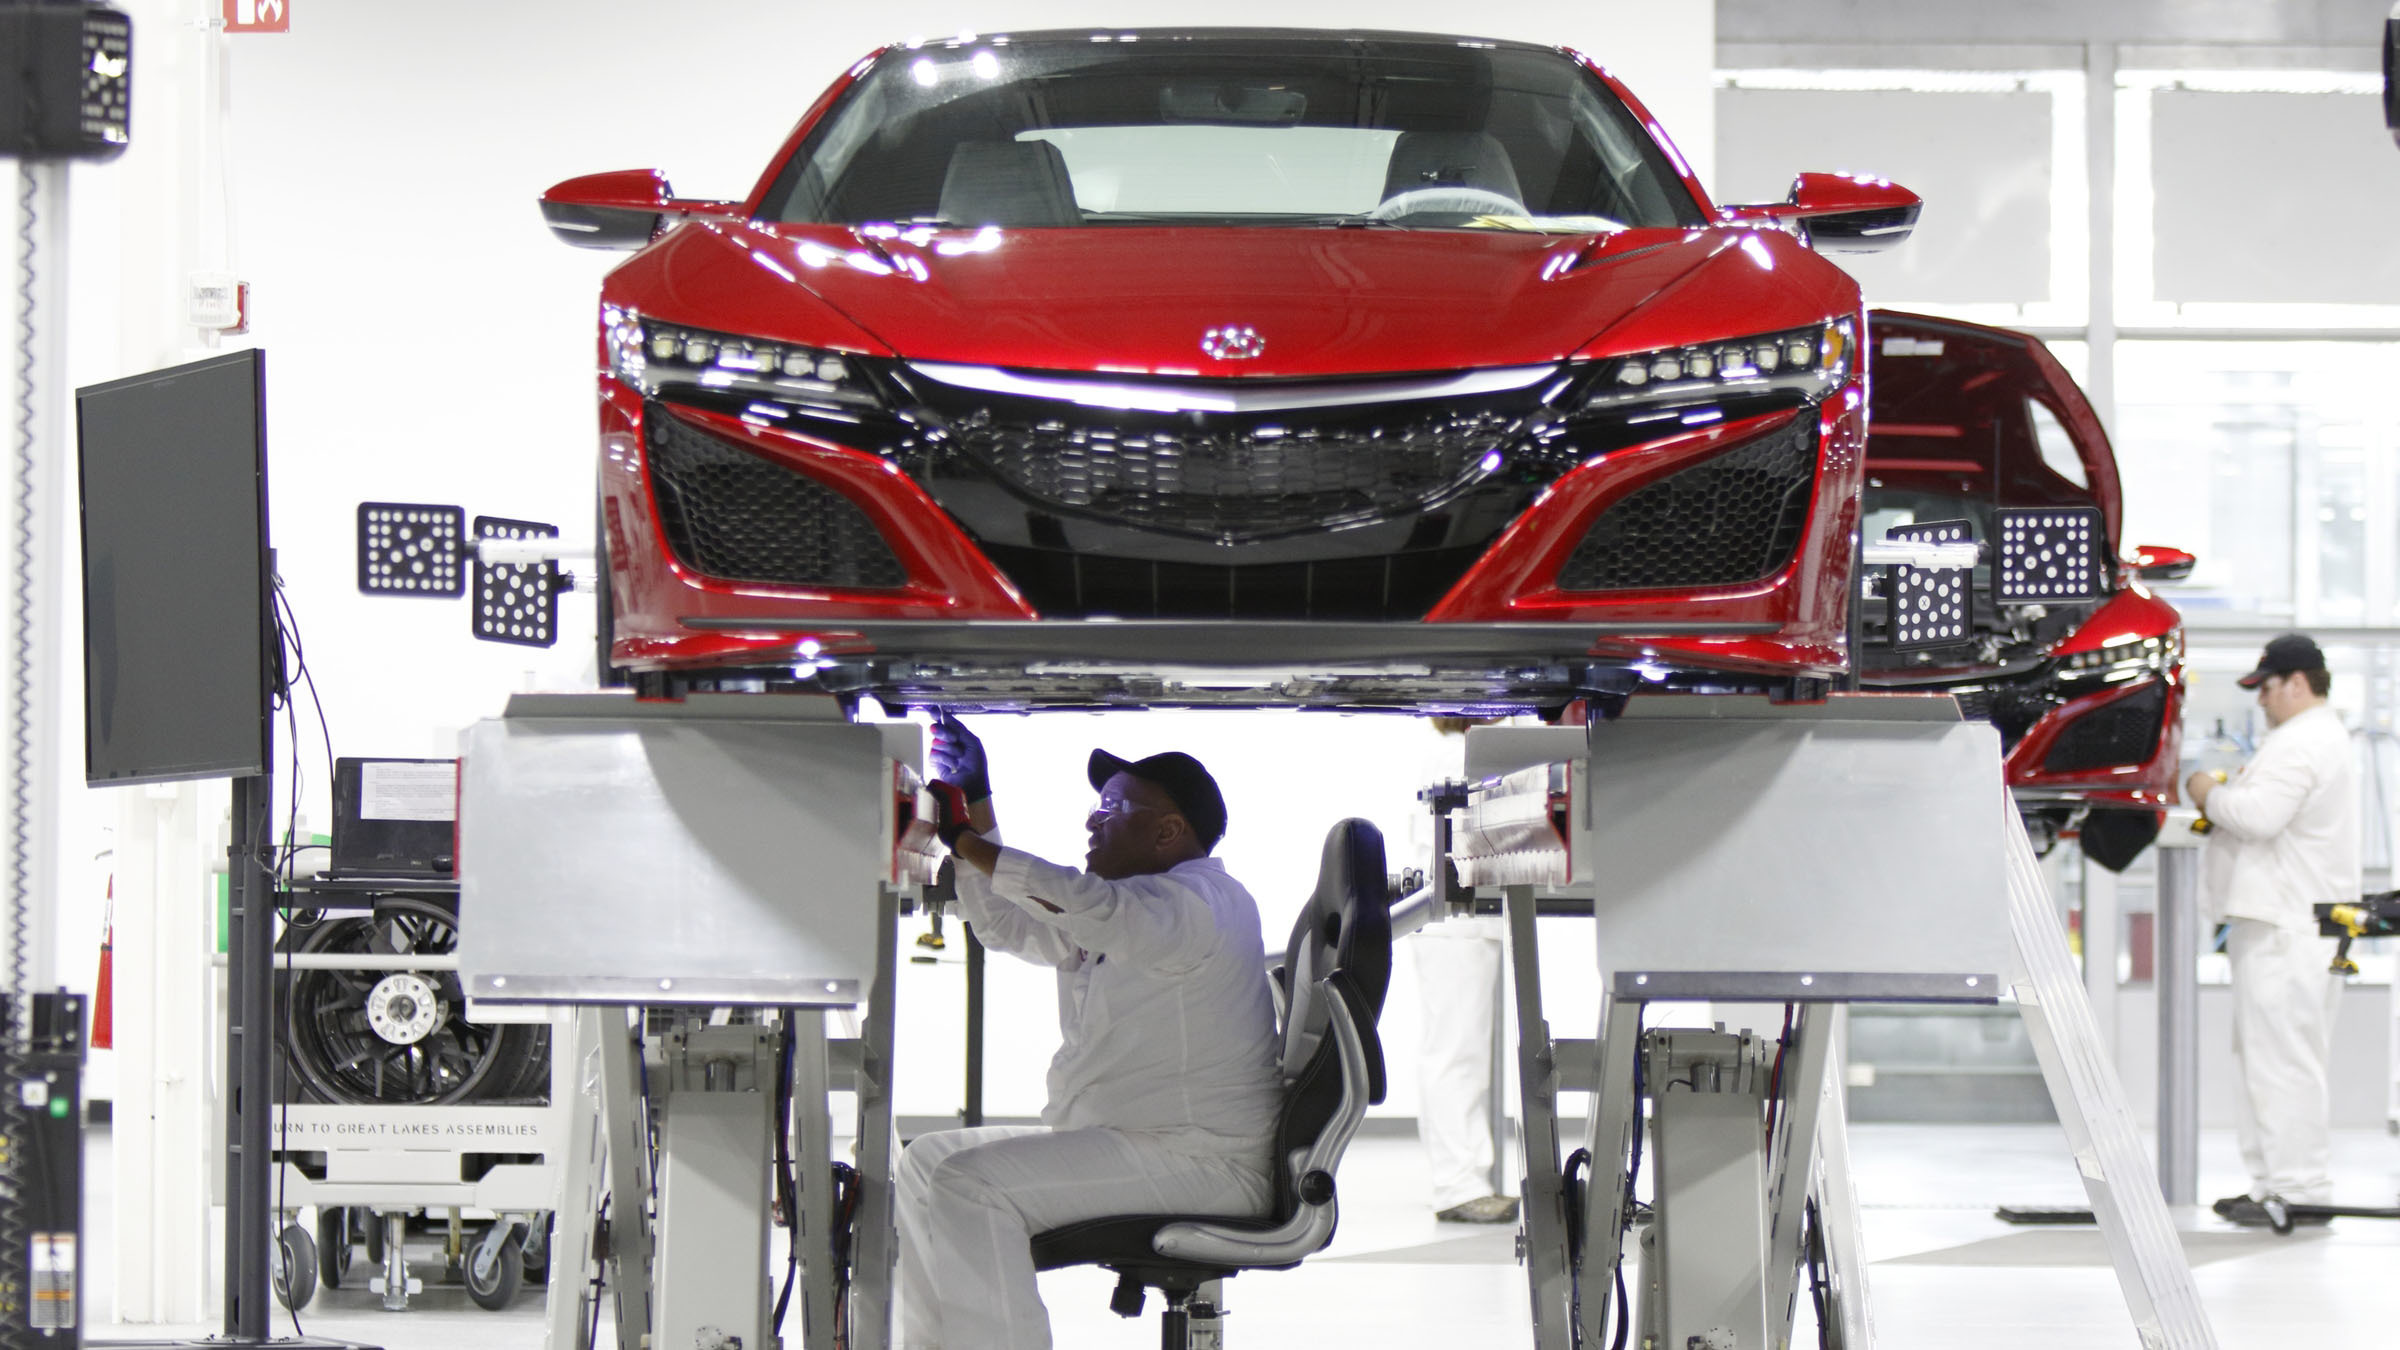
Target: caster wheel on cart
{"points": [[295, 1268], [494, 1274], [372, 1226], [333, 1247]]}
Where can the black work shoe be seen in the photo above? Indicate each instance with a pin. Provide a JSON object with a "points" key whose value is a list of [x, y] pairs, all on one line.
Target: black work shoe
{"points": [[2273, 1212], [2224, 1208], [1488, 1209]]}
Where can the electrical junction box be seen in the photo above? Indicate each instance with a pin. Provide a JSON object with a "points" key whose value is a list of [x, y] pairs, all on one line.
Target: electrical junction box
{"points": [[69, 69]]}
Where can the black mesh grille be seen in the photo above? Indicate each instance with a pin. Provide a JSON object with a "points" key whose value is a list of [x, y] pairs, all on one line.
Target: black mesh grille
{"points": [[1241, 483], [1731, 518], [1065, 585], [2122, 732], [734, 515]]}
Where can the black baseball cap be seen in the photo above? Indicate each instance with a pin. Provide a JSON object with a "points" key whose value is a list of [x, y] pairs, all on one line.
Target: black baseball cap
{"points": [[2285, 655], [1179, 776]]}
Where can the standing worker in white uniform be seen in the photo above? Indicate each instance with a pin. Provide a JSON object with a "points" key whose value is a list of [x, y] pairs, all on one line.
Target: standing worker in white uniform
{"points": [[1163, 1097], [2285, 838], [1458, 963]]}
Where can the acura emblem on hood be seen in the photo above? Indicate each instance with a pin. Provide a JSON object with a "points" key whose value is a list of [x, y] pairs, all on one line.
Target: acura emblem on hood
{"points": [[1233, 342]]}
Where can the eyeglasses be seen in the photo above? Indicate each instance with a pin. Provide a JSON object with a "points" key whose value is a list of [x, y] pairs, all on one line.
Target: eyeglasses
{"points": [[1108, 807]]}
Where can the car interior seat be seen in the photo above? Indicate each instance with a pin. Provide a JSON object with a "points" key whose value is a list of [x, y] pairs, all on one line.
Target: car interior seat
{"points": [[1331, 983], [1011, 184], [1452, 159]]}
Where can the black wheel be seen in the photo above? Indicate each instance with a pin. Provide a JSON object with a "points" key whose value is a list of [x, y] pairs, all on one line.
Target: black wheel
{"points": [[604, 597], [493, 1284], [295, 1273], [371, 1230], [391, 1037], [333, 1247]]}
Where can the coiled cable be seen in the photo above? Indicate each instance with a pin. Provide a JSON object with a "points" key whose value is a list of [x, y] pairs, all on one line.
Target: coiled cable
{"points": [[15, 1009]]}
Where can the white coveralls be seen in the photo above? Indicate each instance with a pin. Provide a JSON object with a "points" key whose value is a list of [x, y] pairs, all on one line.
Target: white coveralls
{"points": [[1458, 968], [1458, 965], [2285, 839], [1163, 1098]]}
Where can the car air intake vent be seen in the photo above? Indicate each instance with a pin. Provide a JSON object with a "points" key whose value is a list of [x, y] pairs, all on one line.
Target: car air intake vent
{"points": [[1076, 586], [1241, 484], [734, 515], [1732, 518], [2124, 731]]}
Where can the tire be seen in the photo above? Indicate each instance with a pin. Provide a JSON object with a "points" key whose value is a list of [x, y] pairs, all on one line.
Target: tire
{"points": [[373, 1227], [331, 1051], [333, 1247], [496, 1288], [295, 1272], [604, 598]]}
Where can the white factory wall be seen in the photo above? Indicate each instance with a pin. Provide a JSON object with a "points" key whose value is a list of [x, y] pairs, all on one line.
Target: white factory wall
{"points": [[373, 176]]}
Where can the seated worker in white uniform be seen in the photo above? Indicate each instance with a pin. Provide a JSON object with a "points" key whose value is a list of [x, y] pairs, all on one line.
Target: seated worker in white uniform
{"points": [[1164, 1096]]}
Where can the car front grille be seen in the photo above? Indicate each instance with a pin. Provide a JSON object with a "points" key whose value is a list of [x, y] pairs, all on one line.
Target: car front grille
{"points": [[1241, 483], [1062, 585], [1732, 518], [2124, 731], [737, 516]]}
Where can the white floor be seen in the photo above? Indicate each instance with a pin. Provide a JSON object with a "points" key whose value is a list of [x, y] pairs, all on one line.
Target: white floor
{"points": [[1944, 1272]]}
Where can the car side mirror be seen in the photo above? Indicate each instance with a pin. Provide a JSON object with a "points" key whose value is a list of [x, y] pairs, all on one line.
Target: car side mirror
{"points": [[2157, 562], [624, 209], [1842, 213]]}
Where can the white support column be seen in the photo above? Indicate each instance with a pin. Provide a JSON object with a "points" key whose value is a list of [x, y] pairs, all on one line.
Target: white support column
{"points": [[166, 925]]}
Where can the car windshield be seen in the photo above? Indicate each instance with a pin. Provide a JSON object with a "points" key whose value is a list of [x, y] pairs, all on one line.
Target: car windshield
{"points": [[1282, 131]]}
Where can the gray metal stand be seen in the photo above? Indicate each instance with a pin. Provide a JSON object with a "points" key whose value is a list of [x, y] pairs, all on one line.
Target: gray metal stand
{"points": [[2178, 974]]}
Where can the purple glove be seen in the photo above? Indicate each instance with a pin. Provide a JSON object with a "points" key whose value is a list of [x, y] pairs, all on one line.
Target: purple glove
{"points": [[958, 758], [950, 812]]}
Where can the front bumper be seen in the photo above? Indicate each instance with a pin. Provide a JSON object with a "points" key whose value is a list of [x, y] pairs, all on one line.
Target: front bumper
{"points": [[955, 622]]}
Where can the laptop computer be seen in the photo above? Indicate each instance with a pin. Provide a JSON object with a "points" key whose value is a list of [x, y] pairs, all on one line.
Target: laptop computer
{"points": [[394, 818]]}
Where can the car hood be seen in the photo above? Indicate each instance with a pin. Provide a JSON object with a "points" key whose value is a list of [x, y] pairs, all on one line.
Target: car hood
{"points": [[1321, 301]]}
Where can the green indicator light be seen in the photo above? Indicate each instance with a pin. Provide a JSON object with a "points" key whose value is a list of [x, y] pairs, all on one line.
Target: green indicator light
{"points": [[58, 1107]]}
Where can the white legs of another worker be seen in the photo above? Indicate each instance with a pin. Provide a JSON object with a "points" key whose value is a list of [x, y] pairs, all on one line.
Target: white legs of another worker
{"points": [[1458, 969], [2284, 999], [970, 1202]]}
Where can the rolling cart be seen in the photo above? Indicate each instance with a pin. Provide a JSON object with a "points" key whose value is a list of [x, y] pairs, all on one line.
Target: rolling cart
{"points": [[396, 1099]]}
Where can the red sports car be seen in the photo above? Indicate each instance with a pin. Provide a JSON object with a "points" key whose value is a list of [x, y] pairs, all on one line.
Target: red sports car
{"points": [[1970, 423], [1336, 368]]}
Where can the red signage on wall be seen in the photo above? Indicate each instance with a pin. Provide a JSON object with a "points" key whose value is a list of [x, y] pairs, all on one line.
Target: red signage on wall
{"points": [[258, 16]]}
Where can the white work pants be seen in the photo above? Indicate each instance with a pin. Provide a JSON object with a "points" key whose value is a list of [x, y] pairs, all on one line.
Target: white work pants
{"points": [[2284, 998], [970, 1202], [1458, 968]]}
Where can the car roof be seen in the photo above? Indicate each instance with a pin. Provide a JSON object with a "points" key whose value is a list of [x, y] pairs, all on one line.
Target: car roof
{"points": [[1388, 37]]}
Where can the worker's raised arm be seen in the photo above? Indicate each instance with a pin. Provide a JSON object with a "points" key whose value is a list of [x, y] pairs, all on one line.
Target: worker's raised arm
{"points": [[1153, 921], [1005, 927]]}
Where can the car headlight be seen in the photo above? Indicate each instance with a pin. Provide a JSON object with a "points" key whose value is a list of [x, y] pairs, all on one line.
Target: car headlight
{"points": [[2122, 659], [651, 356], [1808, 361]]}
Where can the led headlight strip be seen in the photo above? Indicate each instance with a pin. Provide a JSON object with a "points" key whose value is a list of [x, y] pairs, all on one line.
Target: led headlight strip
{"points": [[650, 356], [2129, 655], [1808, 361]]}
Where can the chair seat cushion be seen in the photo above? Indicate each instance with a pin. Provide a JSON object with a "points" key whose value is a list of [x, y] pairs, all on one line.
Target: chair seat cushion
{"points": [[1124, 1243]]}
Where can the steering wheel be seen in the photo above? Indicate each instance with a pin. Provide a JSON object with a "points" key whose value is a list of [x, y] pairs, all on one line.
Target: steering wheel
{"points": [[1449, 201]]}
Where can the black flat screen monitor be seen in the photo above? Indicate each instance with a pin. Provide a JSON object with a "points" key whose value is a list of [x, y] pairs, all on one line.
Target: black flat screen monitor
{"points": [[175, 573]]}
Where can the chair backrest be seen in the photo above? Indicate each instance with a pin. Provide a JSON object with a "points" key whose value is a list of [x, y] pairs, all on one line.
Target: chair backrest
{"points": [[1013, 184], [1455, 159], [1345, 929], [1335, 971]]}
